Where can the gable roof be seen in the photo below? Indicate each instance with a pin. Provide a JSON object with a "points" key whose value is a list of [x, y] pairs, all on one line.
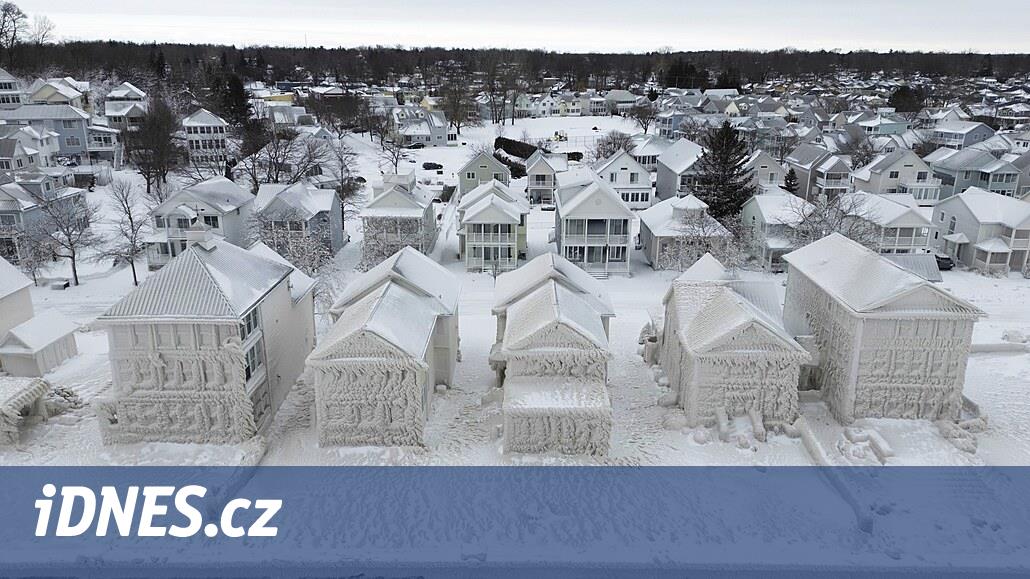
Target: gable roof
{"points": [[550, 304], [865, 281], [217, 192], [604, 201], [203, 117], [707, 268], [779, 207], [492, 188], [45, 112], [493, 209], [37, 333], [622, 157], [664, 219], [305, 200], [210, 280], [989, 207], [11, 279], [512, 285], [410, 268], [681, 155], [489, 160]]}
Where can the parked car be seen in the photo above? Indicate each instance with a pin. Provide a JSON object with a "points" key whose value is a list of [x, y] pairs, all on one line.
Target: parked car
{"points": [[417, 146], [944, 262], [547, 208]]}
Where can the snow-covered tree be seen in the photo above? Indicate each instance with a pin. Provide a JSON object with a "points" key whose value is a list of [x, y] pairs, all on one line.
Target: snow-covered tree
{"points": [[66, 228], [307, 246], [848, 215], [723, 182], [128, 207]]}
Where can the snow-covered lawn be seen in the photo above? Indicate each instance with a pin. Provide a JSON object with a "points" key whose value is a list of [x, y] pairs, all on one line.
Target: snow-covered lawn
{"points": [[464, 423]]}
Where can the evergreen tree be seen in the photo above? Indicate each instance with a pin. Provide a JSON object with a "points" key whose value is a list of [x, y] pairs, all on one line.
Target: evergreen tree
{"points": [[234, 100], [907, 99], [723, 182], [790, 182]]}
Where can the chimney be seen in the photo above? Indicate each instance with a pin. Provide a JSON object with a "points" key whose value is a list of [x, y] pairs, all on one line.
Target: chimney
{"points": [[198, 233]]}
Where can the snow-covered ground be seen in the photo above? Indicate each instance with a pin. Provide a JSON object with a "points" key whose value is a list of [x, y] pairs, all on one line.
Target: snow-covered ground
{"points": [[464, 422]]}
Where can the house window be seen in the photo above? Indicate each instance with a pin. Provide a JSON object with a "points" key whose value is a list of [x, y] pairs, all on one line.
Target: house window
{"points": [[894, 175], [159, 222], [921, 176], [250, 323], [498, 176], [73, 141], [634, 178], [182, 223], [611, 177], [951, 225], [7, 220], [617, 253], [254, 359], [68, 124], [211, 221], [296, 225], [470, 175]]}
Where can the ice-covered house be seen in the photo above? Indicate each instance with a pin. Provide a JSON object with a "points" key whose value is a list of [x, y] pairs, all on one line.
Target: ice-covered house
{"points": [[725, 351], [217, 203], [20, 398], [482, 168], [985, 231], [552, 355], [628, 178], [676, 232], [492, 227], [30, 345], [399, 213], [890, 343], [395, 338], [300, 211], [542, 171], [592, 224], [206, 349], [677, 169]]}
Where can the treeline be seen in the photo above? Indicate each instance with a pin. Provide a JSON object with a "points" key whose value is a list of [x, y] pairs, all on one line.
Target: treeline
{"points": [[382, 64]]}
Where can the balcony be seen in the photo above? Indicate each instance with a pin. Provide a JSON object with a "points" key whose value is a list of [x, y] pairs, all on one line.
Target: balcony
{"points": [[832, 183], [496, 238], [925, 189], [502, 264], [596, 239]]}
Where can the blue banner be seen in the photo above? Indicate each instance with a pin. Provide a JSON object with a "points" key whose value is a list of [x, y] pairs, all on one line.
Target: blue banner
{"points": [[517, 522]]}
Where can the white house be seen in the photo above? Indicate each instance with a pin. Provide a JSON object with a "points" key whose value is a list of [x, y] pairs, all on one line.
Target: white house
{"points": [[676, 232], [206, 135], [771, 219], [30, 345], [542, 175], [891, 344], [899, 172], [15, 299], [766, 172], [592, 224], [395, 338], [399, 213], [217, 203], [628, 178], [206, 349], [301, 213], [11, 91], [985, 231], [677, 169], [900, 225], [645, 149], [552, 355], [725, 351], [492, 227], [125, 106]]}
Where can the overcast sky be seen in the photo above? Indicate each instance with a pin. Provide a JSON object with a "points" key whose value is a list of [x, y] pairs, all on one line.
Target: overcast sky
{"points": [[598, 25]]}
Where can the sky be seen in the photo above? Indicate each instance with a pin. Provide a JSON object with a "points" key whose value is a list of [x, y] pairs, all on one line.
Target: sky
{"points": [[598, 25]]}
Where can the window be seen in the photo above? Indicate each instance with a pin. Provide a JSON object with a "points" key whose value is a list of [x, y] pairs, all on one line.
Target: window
{"points": [[211, 221], [611, 177], [499, 176], [7, 220], [254, 359], [942, 217], [617, 253], [68, 124], [182, 222], [893, 175], [921, 176], [159, 222], [250, 323], [296, 225], [634, 178], [951, 225], [471, 175], [72, 142]]}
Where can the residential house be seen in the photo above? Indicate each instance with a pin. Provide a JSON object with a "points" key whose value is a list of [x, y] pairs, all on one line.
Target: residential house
{"points": [[40, 143], [78, 138], [960, 170], [592, 224], [898, 224], [57, 91], [394, 340], [985, 231], [11, 91], [677, 169], [725, 351], [217, 204], [899, 172], [890, 343], [542, 175], [300, 213], [482, 168], [492, 228], [21, 211], [551, 356], [771, 219], [645, 149], [932, 116], [125, 107], [628, 178], [206, 135], [819, 172], [676, 232], [413, 126], [960, 134], [399, 213], [766, 172], [206, 349], [37, 345]]}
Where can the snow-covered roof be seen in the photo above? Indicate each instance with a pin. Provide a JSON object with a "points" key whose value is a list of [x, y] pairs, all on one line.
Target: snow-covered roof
{"points": [[412, 269], [42, 112], [391, 311], [492, 187], [865, 281], [300, 282], [302, 198], [669, 218], [993, 245], [681, 155], [593, 199], [399, 201], [218, 192], [962, 127], [547, 306], [11, 279], [922, 264], [17, 393], [122, 108], [35, 334], [493, 209], [126, 90], [989, 207], [707, 268], [212, 279], [778, 207], [892, 210], [514, 284], [203, 118]]}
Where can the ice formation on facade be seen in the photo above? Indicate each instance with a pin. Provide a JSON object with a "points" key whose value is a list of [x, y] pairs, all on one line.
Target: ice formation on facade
{"points": [[399, 213], [20, 398], [890, 343], [725, 351], [552, 356], [395, 338], [206, 349]]}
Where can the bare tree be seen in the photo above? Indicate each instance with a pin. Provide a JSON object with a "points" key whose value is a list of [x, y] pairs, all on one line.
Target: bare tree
{"points": [[698, 234], [66, 226], [692, 129], [849, 215], [307, 247], [42, 30], [288, 157], [459, 103], [33, 257], [644, 115], [13, 28], [128, 204], [348, 187], [153, 147], [860, 149], [610, 144], [391, 157]]}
